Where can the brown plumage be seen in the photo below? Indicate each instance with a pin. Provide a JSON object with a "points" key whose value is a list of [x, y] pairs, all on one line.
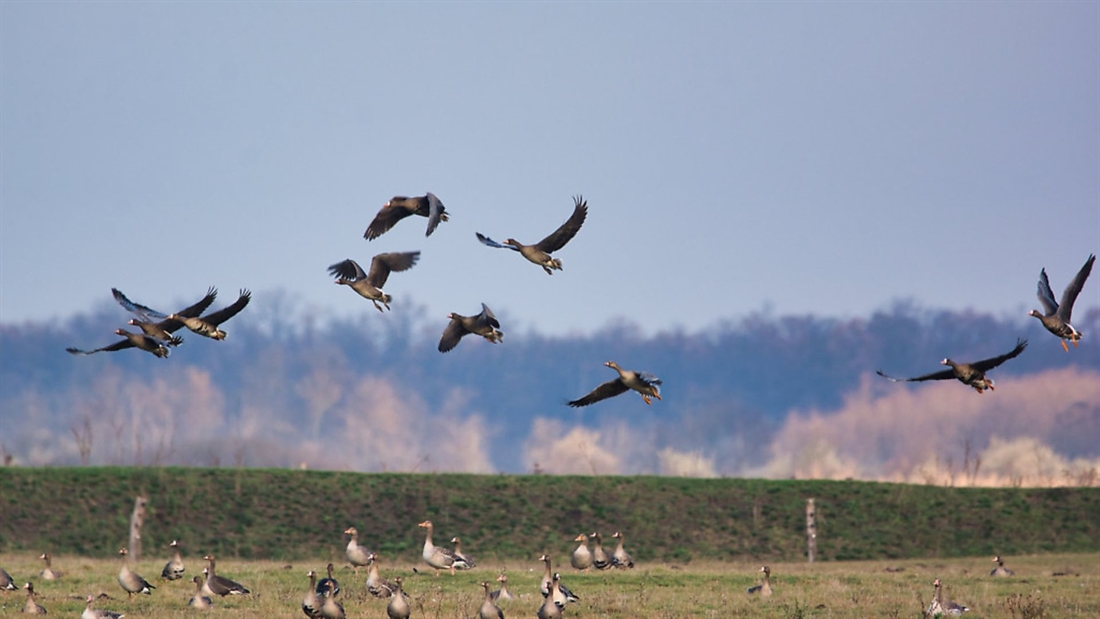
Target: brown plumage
{"points": [[369, 285], [488, 609], [162, 330], [765, 587], [32, 607], [131, 582], [207, 326], [131, 340], [400, 207], [972, 374], [220, 585], [1056, 316], [647, 385], [539, 253], [484, 324]]}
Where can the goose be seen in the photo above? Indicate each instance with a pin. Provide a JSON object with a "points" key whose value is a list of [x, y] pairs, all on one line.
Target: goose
{"points": [[1056, 316], [330, 608], [644, 383], [559, 592], [488, 609], [398, 608], [400, 207], [32, 607], [91, 613], [502, 593], [207, 326], [621, 558], [311, 603], [436, 557], [550, 608], [539, 253], [377, 586], [199, 600], [173, 570], [130, 582], [599, 556], [47, 572], [162, 330], [972, 374], [220, 585], [7, 583], [464, 562], [581, 559], [324, 584], [938, 608], [764, 588], [357, 555], [369, 285], [1001, 570], [484, 324], [132, 340]]}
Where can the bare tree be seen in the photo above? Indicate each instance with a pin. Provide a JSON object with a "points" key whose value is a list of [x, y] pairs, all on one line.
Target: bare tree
{"points": [[83, 436]]}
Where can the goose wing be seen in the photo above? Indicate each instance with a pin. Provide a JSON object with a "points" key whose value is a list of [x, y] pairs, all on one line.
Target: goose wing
{"points": [[1045, 294], [146, 313], [382, 264], [1069, 296], [558, 238], [191, 311], [347, 269], [487, 317], [119, 345], [387, 217], [992, 362], [452, 334], [230, 311], [491, 243], [609, 389], [941, 375], [435, 212]]}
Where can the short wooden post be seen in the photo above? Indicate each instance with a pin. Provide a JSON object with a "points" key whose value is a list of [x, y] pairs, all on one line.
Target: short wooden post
{"points": [[136, 520], [811, 530]]}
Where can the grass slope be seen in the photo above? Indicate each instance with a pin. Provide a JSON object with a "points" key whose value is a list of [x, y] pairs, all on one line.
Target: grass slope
{"points": [[284, 515]]}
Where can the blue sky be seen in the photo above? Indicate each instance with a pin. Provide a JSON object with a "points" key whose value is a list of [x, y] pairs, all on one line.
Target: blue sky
{"points": [[822, 158]]}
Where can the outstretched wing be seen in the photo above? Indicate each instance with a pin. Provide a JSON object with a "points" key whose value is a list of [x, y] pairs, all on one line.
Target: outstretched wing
{"points": [[989, 364], [226, 313], [146, 313], [382, 264], [609, 389], [491, 243], [119, 345], [171, 325], [567, 230], [941, 375], [487, 317], [1069, 295], [1045, 294], [435, 213], [347, 269], [387, 217], [453, 332]]}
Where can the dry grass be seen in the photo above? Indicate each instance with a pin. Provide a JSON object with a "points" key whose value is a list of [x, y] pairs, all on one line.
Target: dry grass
{"points": [[1051, 586]]}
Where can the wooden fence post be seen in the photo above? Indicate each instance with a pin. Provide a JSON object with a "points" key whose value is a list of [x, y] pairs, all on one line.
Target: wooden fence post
{"points": [[811, 530], [136, 520]]}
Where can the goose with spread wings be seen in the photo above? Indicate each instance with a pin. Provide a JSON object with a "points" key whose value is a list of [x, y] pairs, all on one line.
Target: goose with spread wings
{"points": [[644, 383], [132, 340], [539, 253], [484, 324], [207, 326], [162, 329], [400, 207], [972, 374], [1057, 316], [369, 285]]}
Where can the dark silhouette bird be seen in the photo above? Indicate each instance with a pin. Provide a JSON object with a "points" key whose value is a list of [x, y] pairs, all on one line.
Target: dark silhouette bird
{"points": [[369, 285], [1057, 316], [539, 253], [207, 326], [484, 324], [644, 383], [400, 207], [972, 374], [162, 329], [132, 340]]}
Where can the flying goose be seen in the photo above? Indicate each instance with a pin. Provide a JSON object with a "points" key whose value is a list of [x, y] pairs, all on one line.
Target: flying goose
{"points": [[199, 600], [972, 374], [91, 613], [173, 570], [311, 603], [599, 556], [621, 558], [32, 607], [1056, 317], [326, 584], [551, 586], [437, 557], [47, 572], [369, 285], [502, 593], [132, 340], [220, 585], [938, 608], [484, 324], [764, 588], [357, 555], [539, 253], [130, 582], [330, 608], [550, 608], [163, 329], [644, 383], [488, 609], [377, 586], [400, 207], [464, 562], [207, 326], [1001, 570], [581, 559], [398, 608]]}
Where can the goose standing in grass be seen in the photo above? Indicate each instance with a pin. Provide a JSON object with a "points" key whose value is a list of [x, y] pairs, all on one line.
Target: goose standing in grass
{"points": [[488, 609], [547, 587], [938, 608], [311, 603], [436, 557], [398, 608], [207, 326], [357, 555], [644, 383], [550, 608], [163, 329], [581, 559], [32, 607], [199, 600], [48, 572], [484, 324], [324, 584], [1001, 570], [972, 374], [1055, 316], [173, 570], [765, 587], [131, 582], [131, 340], [92, 613], [377, 586], [539, 253], [600, 560], [400, 207], [502, 593], [220, 585], [464, 561], [330, 608], [620, 557], [369, 285], [7, 583]]}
